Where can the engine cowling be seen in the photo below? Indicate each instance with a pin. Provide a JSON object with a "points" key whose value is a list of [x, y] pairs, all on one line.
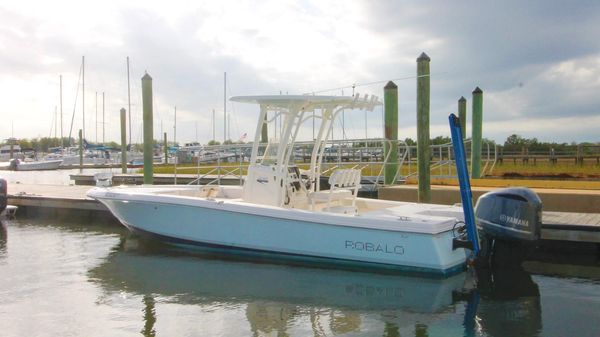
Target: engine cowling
{"points": [[509, 222]]}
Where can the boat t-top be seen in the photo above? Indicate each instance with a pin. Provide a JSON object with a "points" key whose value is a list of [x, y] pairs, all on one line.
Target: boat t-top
{"points": [[281, 212]]}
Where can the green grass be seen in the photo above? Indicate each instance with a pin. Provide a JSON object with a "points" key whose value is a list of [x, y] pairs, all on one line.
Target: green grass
{"points": [[590, 170], [558, 170]]}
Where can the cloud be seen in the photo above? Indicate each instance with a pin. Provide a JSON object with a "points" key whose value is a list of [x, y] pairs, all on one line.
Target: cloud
{"points": [[537, 62]]}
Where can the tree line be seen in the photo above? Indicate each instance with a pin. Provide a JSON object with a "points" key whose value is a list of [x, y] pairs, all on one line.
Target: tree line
{"points": [[513, 143]]}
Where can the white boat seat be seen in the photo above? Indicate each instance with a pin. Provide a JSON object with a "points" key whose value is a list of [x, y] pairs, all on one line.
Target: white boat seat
{"points": [[344, 184], [103, 179]]}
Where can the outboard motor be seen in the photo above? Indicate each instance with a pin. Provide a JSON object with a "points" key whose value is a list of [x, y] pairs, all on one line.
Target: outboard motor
{"points": [[3, 195], [509, 222]]}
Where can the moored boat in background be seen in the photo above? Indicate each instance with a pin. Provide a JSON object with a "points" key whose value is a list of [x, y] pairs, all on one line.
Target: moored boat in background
{"points": [[21, 165]]}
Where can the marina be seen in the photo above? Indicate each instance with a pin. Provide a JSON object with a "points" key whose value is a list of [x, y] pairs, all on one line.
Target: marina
{"points": [[300, 168], [416, 251]]}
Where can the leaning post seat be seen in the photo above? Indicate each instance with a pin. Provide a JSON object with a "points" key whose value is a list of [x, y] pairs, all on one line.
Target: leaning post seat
{"points": [[344, 184]]}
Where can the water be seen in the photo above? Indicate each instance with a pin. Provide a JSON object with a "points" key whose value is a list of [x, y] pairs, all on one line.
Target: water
{"points": [[95, 279], [52, 177]]}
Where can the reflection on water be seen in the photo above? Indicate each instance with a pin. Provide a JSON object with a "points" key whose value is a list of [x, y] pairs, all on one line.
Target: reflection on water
{"points": [[97, 280], [3, 239], [149, 317], [509, 304], [277, 297]]}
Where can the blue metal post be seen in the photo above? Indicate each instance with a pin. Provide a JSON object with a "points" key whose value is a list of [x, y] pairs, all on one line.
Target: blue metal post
{"points": [[463, 179]]}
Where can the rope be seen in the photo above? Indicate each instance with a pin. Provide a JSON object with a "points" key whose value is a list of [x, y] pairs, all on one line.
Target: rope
{"points": [[355, 85]]}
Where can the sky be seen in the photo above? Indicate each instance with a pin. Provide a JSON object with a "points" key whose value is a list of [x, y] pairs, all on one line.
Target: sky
{"points": [[537, 62]]}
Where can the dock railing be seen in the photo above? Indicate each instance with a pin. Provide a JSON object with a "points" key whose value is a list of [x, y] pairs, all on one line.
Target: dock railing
{"points": [[217, 162]]}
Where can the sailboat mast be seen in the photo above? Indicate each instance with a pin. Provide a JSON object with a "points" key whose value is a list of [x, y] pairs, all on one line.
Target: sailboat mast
{"points": [[129, 100], [83, 94], [55, 123], [175, 127], [103, 141], [61, 116], [96, 102], [224, 107]]}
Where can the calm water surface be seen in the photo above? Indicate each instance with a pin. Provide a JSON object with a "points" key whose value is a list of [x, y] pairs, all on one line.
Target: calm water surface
{"points": [[75, 279]]}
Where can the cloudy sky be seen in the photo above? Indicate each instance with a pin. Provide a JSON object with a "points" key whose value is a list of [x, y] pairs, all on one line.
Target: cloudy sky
{"points": [[538, 62]]}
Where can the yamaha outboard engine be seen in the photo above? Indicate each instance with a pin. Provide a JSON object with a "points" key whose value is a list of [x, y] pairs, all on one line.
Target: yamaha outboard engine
{"points": [[3, 195], [509, 222]]}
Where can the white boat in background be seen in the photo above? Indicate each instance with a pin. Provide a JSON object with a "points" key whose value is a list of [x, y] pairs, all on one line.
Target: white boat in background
{"points": [[5, 151], [279, 212], [20, 165], [195, 152]]}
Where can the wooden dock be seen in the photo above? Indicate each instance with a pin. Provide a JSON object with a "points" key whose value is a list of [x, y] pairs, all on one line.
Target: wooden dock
{"points": [[557, 226], [159, 179], [554, 199]]}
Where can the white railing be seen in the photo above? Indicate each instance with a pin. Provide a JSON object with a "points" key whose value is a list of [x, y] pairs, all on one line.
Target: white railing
{"points": [[368, 155]]}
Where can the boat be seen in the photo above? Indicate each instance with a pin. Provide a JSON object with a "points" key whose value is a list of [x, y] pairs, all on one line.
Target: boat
{"points": [[8, 151], [20, 165], [280, 212], [195, 152], [283, 212]]}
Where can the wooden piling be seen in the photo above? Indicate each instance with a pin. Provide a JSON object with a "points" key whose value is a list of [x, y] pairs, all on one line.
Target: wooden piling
{"points": [[462, 115], [166, 148], [423, 150], [123, 141], [148, 128], [80, 149], [390, 99], [579, 159], [476, 129]]}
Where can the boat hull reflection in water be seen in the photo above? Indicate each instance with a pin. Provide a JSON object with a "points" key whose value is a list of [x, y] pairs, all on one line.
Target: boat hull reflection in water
{"points": [[275, 293]]}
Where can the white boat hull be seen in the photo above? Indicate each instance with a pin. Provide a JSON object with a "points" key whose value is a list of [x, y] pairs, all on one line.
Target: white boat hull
{"points": [[38, 165], [249, 228]]}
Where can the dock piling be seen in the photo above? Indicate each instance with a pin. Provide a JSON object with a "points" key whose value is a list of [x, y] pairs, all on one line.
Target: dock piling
{"points": [[123, 142], [462, 116], [476, 129], [80, 150], [423, 150], [148, 128], [166, 148], [390, 98]]}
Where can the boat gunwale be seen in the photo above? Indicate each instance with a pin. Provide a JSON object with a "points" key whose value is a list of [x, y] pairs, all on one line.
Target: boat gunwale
{"points": [[443, 225]]}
